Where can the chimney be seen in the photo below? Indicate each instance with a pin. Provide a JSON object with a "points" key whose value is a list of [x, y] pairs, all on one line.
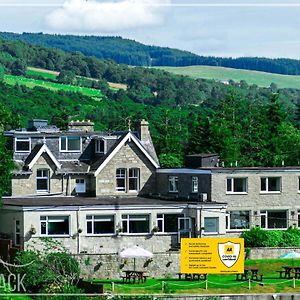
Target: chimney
{"points": [[144, 131], [85, 126]]}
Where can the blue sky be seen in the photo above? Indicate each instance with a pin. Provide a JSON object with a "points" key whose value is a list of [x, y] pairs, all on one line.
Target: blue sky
{"points": [[267, 28]]}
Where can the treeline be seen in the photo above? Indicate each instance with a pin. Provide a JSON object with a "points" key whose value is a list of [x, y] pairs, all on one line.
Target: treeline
{"points": [[125, 51]]}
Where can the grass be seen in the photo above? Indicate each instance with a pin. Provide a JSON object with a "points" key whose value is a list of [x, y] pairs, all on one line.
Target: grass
{"points": [[217, 284], [261, 79], [31, 83], [42, 72]]}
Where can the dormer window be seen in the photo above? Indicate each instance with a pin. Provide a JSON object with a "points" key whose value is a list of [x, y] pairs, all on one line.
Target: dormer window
{"points": [[70, 144], [100, 146], [22, 145]]}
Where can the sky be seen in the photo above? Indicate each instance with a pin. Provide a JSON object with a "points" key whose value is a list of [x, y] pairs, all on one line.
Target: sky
{"points": [[268, 28]]}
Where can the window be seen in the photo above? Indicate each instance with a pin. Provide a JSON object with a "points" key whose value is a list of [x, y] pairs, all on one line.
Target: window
{"points": [[211, 224], [22, 144], [194, 184], [134, 181], [80, 185], [42, 180], [273, 219], [298, 217], [173, 184], [100, 224], [270, 184], [54, 225], [236, 185], [168, 222], [238, 220], [17, 232], [135, 223], [70, 144], [100, 146], [298, 184], [121, 180]]}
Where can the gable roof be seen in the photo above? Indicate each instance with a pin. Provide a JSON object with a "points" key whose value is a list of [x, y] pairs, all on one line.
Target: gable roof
{"points": [[36, 153], [129, 136]]}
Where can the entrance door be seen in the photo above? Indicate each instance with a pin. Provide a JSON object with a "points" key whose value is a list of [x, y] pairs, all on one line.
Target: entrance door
{"points": [[184, 228]]}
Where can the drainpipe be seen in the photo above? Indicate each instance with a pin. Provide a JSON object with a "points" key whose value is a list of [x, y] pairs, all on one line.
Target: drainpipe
{"points": [[198, 227], [78, 233]]}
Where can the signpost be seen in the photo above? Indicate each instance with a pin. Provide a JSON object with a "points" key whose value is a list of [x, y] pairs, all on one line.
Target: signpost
{"points": [[212, 255]]}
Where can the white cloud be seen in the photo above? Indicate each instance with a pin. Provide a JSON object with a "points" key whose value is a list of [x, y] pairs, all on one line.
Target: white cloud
{"points": [[92, 16]]}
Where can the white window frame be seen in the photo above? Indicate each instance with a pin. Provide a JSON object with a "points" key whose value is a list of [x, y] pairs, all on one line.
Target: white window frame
{"points": [[118, 176], [93, 218], [299, 184], [22, 139], [135, 176], [231, 188], [46, 221], [43, 177], [67, 144], [267, 185], [135, 217], [98, 146], [173, 182], [195, 184], [264, 213], [228, 218], [80, 185]]}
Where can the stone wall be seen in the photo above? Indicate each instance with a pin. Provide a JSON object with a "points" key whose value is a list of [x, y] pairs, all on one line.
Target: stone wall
{"points": [[110, 266], [262, 253]]}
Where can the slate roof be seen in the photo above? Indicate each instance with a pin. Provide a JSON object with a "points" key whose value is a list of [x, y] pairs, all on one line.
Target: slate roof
{"points": [[97, 201], [73, 167]]}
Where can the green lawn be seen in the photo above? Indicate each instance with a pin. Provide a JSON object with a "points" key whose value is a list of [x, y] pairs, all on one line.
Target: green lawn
{"points": [[41, 72], [217, 284], [31, 83], [224, 74]]}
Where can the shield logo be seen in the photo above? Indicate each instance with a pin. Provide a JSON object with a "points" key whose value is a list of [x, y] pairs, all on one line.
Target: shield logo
{"points": [[229, 253]]}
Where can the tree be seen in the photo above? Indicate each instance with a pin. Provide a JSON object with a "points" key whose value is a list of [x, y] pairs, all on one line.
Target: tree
{"points": [[49, 267], [1, 72]]}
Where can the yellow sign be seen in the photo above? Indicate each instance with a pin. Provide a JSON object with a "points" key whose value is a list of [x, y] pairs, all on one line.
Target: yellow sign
{"points": [[212, 255]]}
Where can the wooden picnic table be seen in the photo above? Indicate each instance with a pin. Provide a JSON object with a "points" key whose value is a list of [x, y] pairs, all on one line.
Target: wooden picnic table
{"points": [[131, 276], [250, 273], [190, 276], [289, 272]]}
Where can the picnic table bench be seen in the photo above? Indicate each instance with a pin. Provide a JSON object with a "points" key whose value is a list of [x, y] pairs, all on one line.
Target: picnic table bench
{"points": [[190, 276]]}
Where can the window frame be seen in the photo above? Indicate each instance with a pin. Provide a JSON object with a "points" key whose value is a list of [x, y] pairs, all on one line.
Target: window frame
{"points": [[93, 219], [128, 218], [232, 185], [266, 191], [160, 222], [118, 188], [265, 215], [173, 182], [22, 139], [98, 146], [43, 178], [195, 184], [46, 221], [136, 178], [67, 144], [228, 220]]}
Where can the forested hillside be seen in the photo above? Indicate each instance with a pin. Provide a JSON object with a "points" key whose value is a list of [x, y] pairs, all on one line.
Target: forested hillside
{"points": [[133, 53], [245, 124]]}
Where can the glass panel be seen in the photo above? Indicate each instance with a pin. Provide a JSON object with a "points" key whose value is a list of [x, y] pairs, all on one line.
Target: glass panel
{"points": [[239, 219], [211, 224], [229, 184], [239, 185], [274, 184], [74, 143], [63, 143], [42, 184], [263, 221], [263, 184], [277, 219], [101, 227], [195, 184], [23, 145], [43, 227], [89, 227], [58, 225], [171, 222]]}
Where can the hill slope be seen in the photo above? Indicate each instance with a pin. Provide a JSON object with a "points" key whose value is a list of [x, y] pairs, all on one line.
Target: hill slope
{"points": [[261, 79], [133, 53]]}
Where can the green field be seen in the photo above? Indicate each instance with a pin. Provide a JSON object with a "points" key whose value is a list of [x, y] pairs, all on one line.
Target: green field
{"points": [[42, 73], [31, 83], [224, 74]]}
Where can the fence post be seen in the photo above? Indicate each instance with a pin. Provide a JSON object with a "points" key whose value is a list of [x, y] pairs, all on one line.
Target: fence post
{"points": [[206, 284], [163, 286], [249, 284], [294, 282], [112, 286]]}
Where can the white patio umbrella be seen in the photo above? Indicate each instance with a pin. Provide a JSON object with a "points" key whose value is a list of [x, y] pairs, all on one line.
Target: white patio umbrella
{"points": [[135, 252], [291, 254]]}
